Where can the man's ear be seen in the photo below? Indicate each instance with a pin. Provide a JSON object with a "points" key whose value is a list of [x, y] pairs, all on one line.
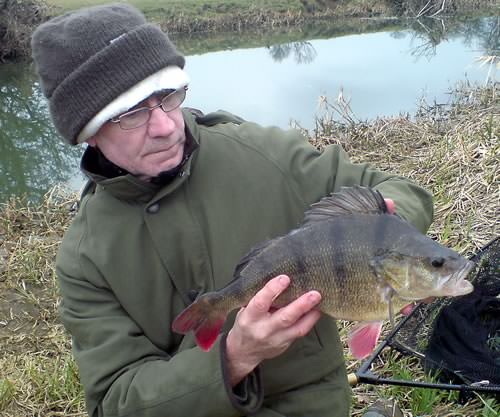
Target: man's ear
{"points": [[92, 141]]}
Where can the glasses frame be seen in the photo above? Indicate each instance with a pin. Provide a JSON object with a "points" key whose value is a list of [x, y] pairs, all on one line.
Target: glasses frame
{"points": [[162, 104]]}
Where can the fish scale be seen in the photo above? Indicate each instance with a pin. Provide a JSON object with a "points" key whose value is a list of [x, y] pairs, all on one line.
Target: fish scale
{"points": [[364, 261], [333, 264]]}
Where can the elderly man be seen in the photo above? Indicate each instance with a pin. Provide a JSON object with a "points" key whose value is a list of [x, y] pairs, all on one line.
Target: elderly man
{"points": [[174, 199]]}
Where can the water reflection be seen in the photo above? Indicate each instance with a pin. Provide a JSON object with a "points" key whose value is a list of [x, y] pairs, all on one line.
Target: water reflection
{"points": [[382, 72], [32, 156], [303, 52], [427, 33]]}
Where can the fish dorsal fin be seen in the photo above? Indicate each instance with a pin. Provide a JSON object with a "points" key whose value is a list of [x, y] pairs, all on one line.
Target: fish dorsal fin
{"points": [[349, 200]]}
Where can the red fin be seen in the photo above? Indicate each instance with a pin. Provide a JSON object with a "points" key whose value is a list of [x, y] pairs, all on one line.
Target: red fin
{"points": [[363, 338], [203, 319], [207, 335]]}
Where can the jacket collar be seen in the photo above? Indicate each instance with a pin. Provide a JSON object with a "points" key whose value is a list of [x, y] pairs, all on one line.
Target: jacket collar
{"points": [[130, 188]]}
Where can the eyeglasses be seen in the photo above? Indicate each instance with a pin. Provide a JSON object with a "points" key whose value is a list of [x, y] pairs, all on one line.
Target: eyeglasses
{"points": [[139, 117]]}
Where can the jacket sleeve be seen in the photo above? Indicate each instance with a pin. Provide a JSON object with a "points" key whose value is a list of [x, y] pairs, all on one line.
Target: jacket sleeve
{"points": [[314, 174], [123, 373], [412, 202]]}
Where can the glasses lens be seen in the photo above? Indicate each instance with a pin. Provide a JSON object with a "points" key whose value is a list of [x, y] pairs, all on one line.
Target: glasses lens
{"points": [[139, 117], [134, 119], [173, 100]]}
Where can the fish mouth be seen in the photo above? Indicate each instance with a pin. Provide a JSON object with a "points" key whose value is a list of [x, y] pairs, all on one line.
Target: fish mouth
{"points": [[456, 284]]}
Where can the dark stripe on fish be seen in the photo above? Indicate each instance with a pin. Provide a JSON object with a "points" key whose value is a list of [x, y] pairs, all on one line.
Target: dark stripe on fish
{"points": [[339, 258], [300, 264], [380, 229]]}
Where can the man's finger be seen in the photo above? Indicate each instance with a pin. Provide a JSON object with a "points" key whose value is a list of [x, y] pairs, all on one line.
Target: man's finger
{"points": [[262, 301], [406, 310], [290, 314], [302, 326], [391, 207]]}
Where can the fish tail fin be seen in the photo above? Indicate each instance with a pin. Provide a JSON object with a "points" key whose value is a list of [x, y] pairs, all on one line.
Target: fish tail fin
{"points": [[363, 338], [204, 319]]}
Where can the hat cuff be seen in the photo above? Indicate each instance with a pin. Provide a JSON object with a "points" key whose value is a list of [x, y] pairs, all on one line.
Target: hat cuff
{"points": [[170, 77]]}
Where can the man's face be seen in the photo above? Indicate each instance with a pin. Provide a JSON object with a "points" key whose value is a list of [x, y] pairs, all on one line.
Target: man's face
{"points": [[147, 150]]}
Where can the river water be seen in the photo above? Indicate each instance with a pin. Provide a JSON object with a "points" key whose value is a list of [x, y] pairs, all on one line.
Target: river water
{"points": [[381, 67]]}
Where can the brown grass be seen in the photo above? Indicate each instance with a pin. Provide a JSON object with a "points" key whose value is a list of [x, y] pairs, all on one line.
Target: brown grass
{"points": [[450, 150]]}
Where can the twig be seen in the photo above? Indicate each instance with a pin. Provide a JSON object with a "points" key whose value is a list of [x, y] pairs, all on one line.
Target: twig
{"points": [[423, 10], [440, 10]]}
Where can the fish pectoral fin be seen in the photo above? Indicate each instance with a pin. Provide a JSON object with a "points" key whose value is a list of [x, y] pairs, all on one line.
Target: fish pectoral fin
{"points": [[391, 312], [363, 338], [388, 293]]}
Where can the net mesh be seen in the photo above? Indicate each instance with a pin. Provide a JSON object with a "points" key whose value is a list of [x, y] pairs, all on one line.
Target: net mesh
{"points": [[460, 337]]}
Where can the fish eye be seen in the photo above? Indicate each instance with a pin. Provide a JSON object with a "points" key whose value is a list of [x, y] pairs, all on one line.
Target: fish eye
{"points": [[437, 262]]}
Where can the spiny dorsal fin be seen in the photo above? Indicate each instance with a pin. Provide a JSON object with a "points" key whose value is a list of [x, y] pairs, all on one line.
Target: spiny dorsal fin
{"points": [[349, 200]]}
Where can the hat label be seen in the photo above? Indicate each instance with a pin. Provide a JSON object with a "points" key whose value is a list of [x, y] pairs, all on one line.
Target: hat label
{"points": [[117, 38]]}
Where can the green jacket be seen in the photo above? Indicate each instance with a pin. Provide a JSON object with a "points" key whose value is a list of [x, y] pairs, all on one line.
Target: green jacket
{"points": [[136, 252]]}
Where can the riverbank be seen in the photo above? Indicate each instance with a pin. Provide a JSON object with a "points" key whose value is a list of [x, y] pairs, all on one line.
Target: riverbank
{"points": [[187, 17], [451, 150]]}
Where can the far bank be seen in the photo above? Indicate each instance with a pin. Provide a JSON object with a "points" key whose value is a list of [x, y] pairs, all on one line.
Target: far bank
{"points": [[184, 17]]}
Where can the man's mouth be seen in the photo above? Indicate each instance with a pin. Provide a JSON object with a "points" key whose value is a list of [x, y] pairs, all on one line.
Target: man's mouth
{"points": [[161, 150]]}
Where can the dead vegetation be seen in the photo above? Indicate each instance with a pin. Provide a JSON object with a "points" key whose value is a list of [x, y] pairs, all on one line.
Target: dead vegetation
{"points": [[17, 20], [450, 149], [38, 376]]}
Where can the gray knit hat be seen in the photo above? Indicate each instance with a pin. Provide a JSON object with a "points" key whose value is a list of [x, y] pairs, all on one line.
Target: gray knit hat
{"points": [[87, 59]]}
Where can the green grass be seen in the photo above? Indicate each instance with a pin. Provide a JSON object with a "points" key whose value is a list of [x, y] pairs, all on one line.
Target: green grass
{"points": [[186, 15], [190, 7], [189, 16], [54, 381], [421, 400], [7, 393], [428, 401]]}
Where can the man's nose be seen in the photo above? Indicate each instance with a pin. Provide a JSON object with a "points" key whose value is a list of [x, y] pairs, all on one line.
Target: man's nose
{"points": [[160, 123]]}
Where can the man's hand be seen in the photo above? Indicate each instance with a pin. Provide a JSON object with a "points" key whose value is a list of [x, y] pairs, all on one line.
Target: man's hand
{"points": [[260, 333]]}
